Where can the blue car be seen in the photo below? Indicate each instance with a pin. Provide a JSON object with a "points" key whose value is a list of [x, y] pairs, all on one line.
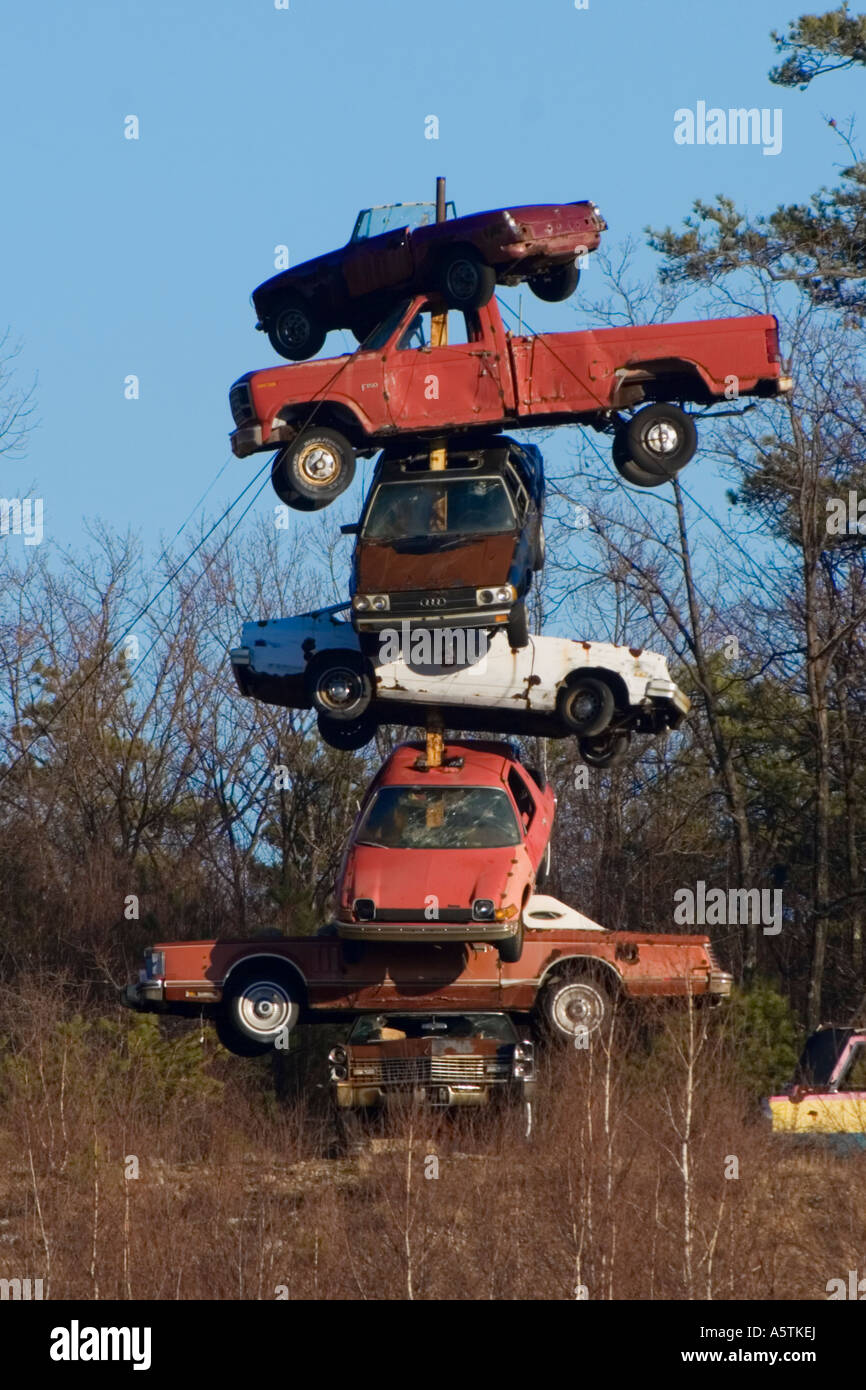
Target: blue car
{"points": [[450, 548]]}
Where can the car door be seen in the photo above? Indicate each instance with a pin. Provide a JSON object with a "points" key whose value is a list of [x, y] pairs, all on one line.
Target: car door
{"points": [[430, 387], [378, 263]]}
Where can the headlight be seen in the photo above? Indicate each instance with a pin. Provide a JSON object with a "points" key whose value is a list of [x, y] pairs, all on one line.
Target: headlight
{"points": [[360, 603], [364, 909], [339, 1073], [240, 403], [505, 593], [337, 1054], [483, 909], [380, 602], [154, 965]]}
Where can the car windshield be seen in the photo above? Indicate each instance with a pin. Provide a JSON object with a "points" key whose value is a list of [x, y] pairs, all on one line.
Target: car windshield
{"points": [[376, 221], [455, 507], [439, 818], [374, 1027]]}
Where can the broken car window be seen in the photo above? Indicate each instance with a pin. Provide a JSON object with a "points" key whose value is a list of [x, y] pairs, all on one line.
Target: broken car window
{"points": [[440, 818]]}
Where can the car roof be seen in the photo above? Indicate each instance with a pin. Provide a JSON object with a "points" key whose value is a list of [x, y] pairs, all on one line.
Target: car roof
{"points": [[484, 762]]}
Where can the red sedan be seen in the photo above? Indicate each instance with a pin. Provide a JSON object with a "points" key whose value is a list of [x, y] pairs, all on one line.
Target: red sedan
{"points": [[449, 852], [400, 249]]}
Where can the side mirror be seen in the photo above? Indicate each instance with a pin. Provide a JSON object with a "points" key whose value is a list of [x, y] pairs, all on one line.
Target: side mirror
{"points": [[351, 528]]}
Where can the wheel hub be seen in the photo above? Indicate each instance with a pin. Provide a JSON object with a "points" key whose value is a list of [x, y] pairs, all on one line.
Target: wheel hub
{"points": [[340, 690], [661, 438], [462, 279], [579, 1006], [265, 1007], [293, 328], [318, 464]]}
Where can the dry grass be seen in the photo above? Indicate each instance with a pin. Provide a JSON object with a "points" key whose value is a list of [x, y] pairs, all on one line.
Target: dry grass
{"points": [[241, 1196]]}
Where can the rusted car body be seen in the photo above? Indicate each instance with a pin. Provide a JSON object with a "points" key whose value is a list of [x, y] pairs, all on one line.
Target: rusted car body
{"points": [[257, 990], [401, 248], [398, 382], [443, 1060], [448, 852], [828, 1094]]}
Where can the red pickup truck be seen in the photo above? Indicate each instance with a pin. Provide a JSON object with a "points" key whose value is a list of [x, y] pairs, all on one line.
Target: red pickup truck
{"points": [[569, 973], [320, 414]]}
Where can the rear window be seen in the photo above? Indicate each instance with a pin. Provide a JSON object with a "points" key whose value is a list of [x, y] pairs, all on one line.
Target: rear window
{"points": [[439, 818]]}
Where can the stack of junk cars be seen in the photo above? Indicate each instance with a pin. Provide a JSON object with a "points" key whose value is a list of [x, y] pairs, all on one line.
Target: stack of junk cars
{"points": [[441, 947]]}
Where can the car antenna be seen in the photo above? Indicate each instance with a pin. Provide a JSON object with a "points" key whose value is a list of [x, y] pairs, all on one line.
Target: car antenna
{"points": [[439, 338]]}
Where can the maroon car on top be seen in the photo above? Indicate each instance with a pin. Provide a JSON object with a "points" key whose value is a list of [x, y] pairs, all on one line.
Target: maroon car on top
{"points": [[400, 248]]}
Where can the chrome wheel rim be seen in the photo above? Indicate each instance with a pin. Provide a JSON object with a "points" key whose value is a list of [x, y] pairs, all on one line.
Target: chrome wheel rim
{"points": [[340, 689], [265, 1007], [318, 464], [661, 438], [578, 1006]]}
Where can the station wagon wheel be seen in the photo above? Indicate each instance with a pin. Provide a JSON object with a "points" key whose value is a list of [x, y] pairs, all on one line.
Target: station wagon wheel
{"points": [[235, 1042], [339, 685], [347, 737], [464, 280], [295, 330], [556, 284], [586, 705], [661, 439], [605, 750], [575, 1006], [262, 1003], [317, 466]]}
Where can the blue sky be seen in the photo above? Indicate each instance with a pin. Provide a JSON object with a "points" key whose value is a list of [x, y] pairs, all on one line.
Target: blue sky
{"points": [[261, 126]]}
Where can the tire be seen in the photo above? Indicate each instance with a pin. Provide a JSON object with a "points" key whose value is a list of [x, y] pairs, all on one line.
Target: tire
{"points": [[609, 749], [348, 738], [340, 686], [661, 439], [511, 949], [574, 1002], [586, 705], [261, 1003], [295, 330], [628, 469], [556, 284], [287, 494], [540, 550], [235, 1043], [518, 626], [543, 871], [316, 467], [464, 279]]}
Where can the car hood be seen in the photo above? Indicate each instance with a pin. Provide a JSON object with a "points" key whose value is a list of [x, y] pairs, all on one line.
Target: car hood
{"points": [[406, 878], [381, 568]]}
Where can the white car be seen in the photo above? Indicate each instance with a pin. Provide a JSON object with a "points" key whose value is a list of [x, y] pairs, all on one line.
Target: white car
{"points": [[553, 687]]}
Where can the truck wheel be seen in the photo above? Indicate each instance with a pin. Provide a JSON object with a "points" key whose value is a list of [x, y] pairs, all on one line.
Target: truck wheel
{"points": [[518, 627], [346, 737], [661, 439], [287, 494], [511, 949], [628, 469], [261, 1003], [316, 467], [235, 1043], [575, 1007], [556, 284], [586, 705], [339, 686], [606, 750], [464, 280], [295, 330]]}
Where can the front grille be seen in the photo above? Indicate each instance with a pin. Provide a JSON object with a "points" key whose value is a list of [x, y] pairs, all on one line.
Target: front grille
{"points": [[428, 602], [417, 914], [241, 405], [395, 1071]]}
